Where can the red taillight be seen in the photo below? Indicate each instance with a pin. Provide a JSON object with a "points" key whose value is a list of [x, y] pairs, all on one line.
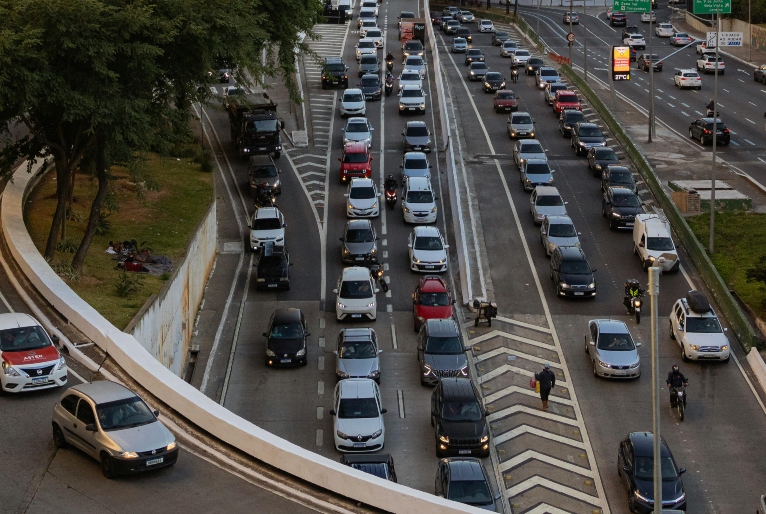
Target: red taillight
{"points": [[725, 131], [707, 131]]}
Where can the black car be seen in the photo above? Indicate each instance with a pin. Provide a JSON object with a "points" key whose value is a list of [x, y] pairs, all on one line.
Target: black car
{"points": [[477, 71], [417, 137], [413, 47], [370, 86], [263, 173], [701, 129], [628, 30], [334, 72], [599, 157], [459, 419], [533, 64], [441, 353], [568, 119], [635, 466], [272, 271], [571, 273], [380, 464], [286, 338], [464, 480], [464, 32], [619, 206], [493, 81], [500, 37], [585, 136], [360, 244], [645, 60], [618, 18], [617, 176], [368, 64], [436, 18], [473, 55]]}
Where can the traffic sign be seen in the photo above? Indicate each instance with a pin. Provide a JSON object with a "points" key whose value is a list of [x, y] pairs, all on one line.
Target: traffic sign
{"points": [[711, 6], [571, 37], [725, 39], [635, 5]]}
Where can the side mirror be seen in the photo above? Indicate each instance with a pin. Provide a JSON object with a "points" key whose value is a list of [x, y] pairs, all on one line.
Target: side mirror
{"points": [[638, 344], [380, 351], [156, 413], [420, 347], [593, 270], [56, 339], [334, 291], [345, 194], [446, 246], [681, 471], [626, 469], [466, 348], [725, 329], [498, 496], [383, 411], [553, 171], [409, 245], [332, 412], [91, 427], [592, 343]]}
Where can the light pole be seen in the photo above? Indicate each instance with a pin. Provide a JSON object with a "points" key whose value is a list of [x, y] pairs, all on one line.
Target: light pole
{"points": [[651, 79], [571, 43], [538, 19], [654, 291], [749, 29], [585, 40], [715, 130]]}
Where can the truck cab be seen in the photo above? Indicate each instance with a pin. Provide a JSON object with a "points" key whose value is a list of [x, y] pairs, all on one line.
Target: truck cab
{"points": [[255, 127], [652, 242]]}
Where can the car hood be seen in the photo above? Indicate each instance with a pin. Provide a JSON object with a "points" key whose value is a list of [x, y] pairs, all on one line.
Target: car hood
{"points": [[418, 140], [528, 127], [607, 162], [286, 346], [353, 105], [628, 211], [564, 241], [550, 79], [555, 210], [431, 312], [716, 339], [360, 248], [576, 279], [446, 362], [370, 89], [267, 181], [267, 234], [358, 136], [540, 178], [625, 358], [358, 367], [671, 489], [505, 101], [151, 436], [358, 426], [463, 429], [412, 100], [495, 82], [429, 255], [362, 203], [31, 357]]}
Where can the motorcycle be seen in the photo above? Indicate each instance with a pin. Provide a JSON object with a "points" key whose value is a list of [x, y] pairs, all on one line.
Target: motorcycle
{"points": [[391, 195], [712, 112], [390, 64], [635, 303], [679, 395], [376, 272], [514, 74], [389, 86], [265, 197]]}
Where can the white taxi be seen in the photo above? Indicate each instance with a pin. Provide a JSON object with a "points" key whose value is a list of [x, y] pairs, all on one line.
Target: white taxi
{"points": [[30, 360]]}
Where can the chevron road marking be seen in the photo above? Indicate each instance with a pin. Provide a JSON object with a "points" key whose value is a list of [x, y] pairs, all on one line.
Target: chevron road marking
{"points": [[544, 508], [522, 324], [497, 333], [505, 368], [510, 351], [526, 429], [318, 165], [553, 486], [531, 454], [321, 174], [515, 409], [525, 391]]}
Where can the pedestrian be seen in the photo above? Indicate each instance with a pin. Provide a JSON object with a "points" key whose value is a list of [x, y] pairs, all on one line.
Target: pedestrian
{"points": [[547, 380]]}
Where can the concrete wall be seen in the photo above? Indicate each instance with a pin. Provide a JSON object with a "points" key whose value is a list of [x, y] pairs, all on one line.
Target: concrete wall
{"points": [[758, 39]]}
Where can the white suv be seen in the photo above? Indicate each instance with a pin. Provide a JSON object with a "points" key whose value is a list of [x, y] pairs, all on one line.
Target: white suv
{"points": [[695, 326], [355, 295], [267, 226], [412, 99], [706, 64], [418, 201], [358, 416]]}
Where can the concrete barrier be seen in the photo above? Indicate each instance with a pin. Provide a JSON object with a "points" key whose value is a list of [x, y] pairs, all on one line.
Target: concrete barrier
{"points": [[189, 402], [758, 367]]}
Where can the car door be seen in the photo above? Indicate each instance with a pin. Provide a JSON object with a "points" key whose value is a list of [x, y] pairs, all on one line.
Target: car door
{"points": [[607, 202], [435, 404], [555, 262], [695, 131], [532, 199], [415, 302], [544, 233], [675, 318], [516, 146], [624, 465], [594, 339], [85, 416]]}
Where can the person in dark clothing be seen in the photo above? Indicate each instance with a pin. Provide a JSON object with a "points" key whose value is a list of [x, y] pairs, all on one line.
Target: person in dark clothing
{"points": [[547, 381], [632, 290], [675, 379]]}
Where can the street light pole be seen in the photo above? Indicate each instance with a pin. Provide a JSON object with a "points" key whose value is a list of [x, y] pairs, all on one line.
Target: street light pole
{"points": [[715, 130], [585, 40], [571, 43], [750, 30], [651, 79], [538, 19], [654, 291]]}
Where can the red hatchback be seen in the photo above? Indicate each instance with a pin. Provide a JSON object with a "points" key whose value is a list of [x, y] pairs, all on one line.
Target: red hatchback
{"points": [[355, 162], [431, 300]]}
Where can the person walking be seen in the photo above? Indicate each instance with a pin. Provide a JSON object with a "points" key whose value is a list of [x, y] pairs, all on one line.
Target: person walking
{"points": [[547, 381]]}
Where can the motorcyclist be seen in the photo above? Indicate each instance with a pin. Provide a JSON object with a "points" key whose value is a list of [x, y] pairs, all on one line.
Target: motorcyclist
{"points": [[514, 73], [389, 57], [391, 183], [711, 106], [389, 79], [675, 379], [632, 290]]}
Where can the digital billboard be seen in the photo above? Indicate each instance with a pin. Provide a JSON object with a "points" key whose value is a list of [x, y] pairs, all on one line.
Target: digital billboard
{"points": [[620, 63]]}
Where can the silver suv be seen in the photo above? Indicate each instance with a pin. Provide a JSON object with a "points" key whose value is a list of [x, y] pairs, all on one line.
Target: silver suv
{"points": [[694, 324]]}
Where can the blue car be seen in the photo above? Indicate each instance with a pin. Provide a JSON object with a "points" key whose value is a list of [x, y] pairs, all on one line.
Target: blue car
{"points": [[459, 45]]}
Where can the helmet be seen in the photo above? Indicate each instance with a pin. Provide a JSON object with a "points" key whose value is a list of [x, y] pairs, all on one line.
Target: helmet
{"points": [[631, 282], [675, 368], [390, 177]]}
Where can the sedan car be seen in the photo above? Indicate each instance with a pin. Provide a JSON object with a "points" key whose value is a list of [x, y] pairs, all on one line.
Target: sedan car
{"points": [[687, 78], [358, 416], [612, 350], [366, 14], [620, 206], [410, 78], [464, 32], [413, 47], [680, 38], [459, 45], [571, 274], [473, 55], [636, 41], [585, 136], [359, 242], [486, 26], [357, 129], [427, 250], [663, 30], [466, 17], [417, 137], [415, 164], [509, 48], [371, 86], [567, 121], [521, 57], [558, 231], [477, 71], [355, 295], [701, 129], [376, 35], [647, 17], [431, 300], [357, 354], [112, 424], [451, 26], [571, 17], [528, 149], [617, 176], [272, 269], [599, 157], [286, 338], [363, 198], [440, 351], [645, 61], [493, 81], [415, 63], [499, 38], [520, 125], [505, 100], [759, 74], [535, 172], [352, 103], [464, 480], [545, 75], [368, 64], [546, 201]]}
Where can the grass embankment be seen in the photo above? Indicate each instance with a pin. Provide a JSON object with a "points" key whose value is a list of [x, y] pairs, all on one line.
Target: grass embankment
{"points": [[740, 241], [165, 219]]}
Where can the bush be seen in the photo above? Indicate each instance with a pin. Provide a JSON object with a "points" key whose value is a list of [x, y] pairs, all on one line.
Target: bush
{"points": [[205, 159], [66, 246], [66, 271], [104, 226], [127, 284]]}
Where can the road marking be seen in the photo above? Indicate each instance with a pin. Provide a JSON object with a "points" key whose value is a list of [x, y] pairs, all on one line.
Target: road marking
{"points": [[321, 322], [749, 142], [524, 391], [751, 103], [553, 486], [5, 302], [743, 71], [495, 333], [385, 254], [389, 308], [684, 113], [384, 242], [321, 341], [526, 429], [761, 160], [671, 105], [320, 364], [320, 387], [751, 121], [672, 97], [734, 143], [527, 455], [522, 324], [393, 337], [685, 105], [400, 397], [320, 437], [320, 412]]}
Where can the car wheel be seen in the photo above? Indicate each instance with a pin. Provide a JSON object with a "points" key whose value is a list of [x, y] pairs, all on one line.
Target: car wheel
{"points": [[107, 466], [722, 72], [702, 140], [558, 290], [58, 437], [595, 371], [683, 354], [635, 249], [603, 210], [699, 88], [672, 334]]}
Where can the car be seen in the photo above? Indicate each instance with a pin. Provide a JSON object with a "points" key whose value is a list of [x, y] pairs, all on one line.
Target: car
{"points": [[486, 26], [380, 465], [352, 103], [567, 120], [365, 46], [617, 176], [612, 350], [464, 480], [521, 58], [363, 199], [558, 231], [663, 30], [493, 81], [410, 77], [415, 164], [466, 17], [30, 358], [360, 243], [286, 338], [112, 424], [464, 32], [528, 149], [520, 125], [358, 416], [633, 54], [371, 4], [680, 38], [355, 295], [644, 61], [458, 418], [505, 100], [418, 201], [450, 10], [546, 201], [231, 93], [653, 244], [565, 100], [702, 130], [499, 38], [707, 64], [535, 172], [445, 19], [272, 270], [376, 35], [436, 18], [759, 74], [545, 75], [368, 64], [635, 467], [366, 14], [415, 63], [413, 47], [620, 205], [459, 45], [441, 353], [367, 25], [416, 137], [357, 354], [334, 72], [695, 326], [585, 136], [627, 30], [263, 173], [635, 41], [473, 55], [451, 27], [599, 157], [412, 99], [404, 15], [703, 47], [648, 17], [431, 300], [571, 274], [355, 161], [427, 250], [571, 18], [509, 48], [266, 226], [357, 130], [371, 86], [477, 71], [618, 18], [687, 78], [550, 91]]}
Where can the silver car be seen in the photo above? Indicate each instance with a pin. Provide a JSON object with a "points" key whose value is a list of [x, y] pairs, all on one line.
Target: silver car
{"points": [[611, 348], [509, 48], [415, 164], [358, 129], [558, 231], [528, 149], [520, 57], [113, 425], [357, 354], [520, 125], [352, 103], [535, 172], [415, 63], [546, 201], [459, 45]]}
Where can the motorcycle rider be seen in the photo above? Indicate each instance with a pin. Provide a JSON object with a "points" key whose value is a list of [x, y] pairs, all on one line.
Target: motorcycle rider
{"points": [[389, 79], [710, 107], [632, 290], [390, 59], [675, 379], [514, 73], [391, 183]]}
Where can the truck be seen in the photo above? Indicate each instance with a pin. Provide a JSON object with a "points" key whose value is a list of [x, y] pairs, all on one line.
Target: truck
{"points": [[412, 28], [255, 127], [335, 11], [652, 242]]}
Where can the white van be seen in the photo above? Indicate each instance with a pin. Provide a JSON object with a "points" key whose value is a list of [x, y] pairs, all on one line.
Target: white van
{"points": [[418, 200], [349, 6], [652, 241]]}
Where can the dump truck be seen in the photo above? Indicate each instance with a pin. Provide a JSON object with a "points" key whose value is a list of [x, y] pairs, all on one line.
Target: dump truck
{"points": [[255, 127]]}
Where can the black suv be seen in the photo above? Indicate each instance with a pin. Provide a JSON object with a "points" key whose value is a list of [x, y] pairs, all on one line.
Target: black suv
{"points": [[334, 72], [533, 64], [380, 464], [618, 176], [263, 173], [464, 32], [286, 338], [702, 130], [567, 119], [464, 480], [273, 268], [571, 273], [585, 136], [459, 419], [599, 157], [618, 18], [645, 60], [620, 206], [441, 352]]}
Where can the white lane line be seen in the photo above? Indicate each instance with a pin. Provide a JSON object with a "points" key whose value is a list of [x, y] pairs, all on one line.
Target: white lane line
{"points": [[523, 324], [235, 339], [671, 105], [389, 308], [751, 103], [5, 302], [381, 165], [320, 364], [400, 398], [393, 337], [749, 142], [751, 121], [518, 460], [320, 412], [319, 437], [384, 242], [685, 105], [321, 322], [321, 341], [761, 160], [684, 113], [320, 387]]}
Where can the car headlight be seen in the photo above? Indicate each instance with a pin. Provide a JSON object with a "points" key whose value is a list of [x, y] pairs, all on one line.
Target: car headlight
{"points": [[651, 258], [406, 209], [724, 348], [341, 306], [464, 371], [375, 205], [423, 105], [472, 73], [433, 210], [270, 353], [604, 364], [484, 439], [62, 363], [615, 214], [374, 374], [345, 251], [531, 134], [444, 439], [172, 446], [342, 435], [592, 285], [10, 370], [502, 85], [376, 434], [598, 166], [486, 84], [564, 285], [301, 352], [128, 455], [634, 366], [638, 495], [694, 347], [350, 206]]}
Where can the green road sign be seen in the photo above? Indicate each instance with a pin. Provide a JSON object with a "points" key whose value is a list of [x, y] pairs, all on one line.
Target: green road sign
{"points": [[636, 5], [712, 6]]}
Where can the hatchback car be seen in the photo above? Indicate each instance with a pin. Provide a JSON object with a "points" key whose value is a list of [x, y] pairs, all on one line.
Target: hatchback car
{"points": [[535, 172], [110, 423], [546, 201], [272, 270], [521, 58], [663, 30], [493, 81], [376, 35], [505, 101], [371, 86], [680, 38], [368, 64], [412, 99], [427, 250], [267, 226], [586, 136], [612, 350], [567, 120], [416, 137], [499, 38], [445, 19], [532, 65], [618, 18], [687, 78], [355, 161], [701, 129], [509, 48], [431, 300], [546, 75], [599, 157], [474, 55], [571, 274], [441, 353], [358, 130], [464, 480], [464, 32], [459, 45], [365, 46], [415, 63], [486, 26], [363, 199], [286, 338], [558, 231], [451, 26], [620, 206], [520, 125], [419, 201], [355, 295], [415, 164], [528, 149], [263, 173], [477, 71], [352, 103], [694, 325], [458, 418], [358, 416], [413, 47], [410, 78], [618, 176], [359, 242], [357, 354], [549, 92]]}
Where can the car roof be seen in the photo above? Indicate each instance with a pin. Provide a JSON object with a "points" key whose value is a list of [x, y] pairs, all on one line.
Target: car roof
{"points": [[426, 231], [362, 182], [459, 40], [355, 147], [433, 284], [442, 327], [560, 220], [457, 388], [414, 87], [478, 65], [526, 142], [611, 326], [369, 75], [519, 114], [416, 123], [547, 191], [624, 191], [10, 320], [367, 40], [288, 315], [572, 253], [266, 212], [475, 51], [418, 184], [358, 224], [415, 156], [353, 91], [618, 169], [465, 469], [357, 118], [357, 388], [104, 391], [355, 273], [643, 444], [358, 334], [333, 60]]}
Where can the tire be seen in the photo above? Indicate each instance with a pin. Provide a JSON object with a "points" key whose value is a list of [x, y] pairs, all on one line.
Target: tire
{"points": [[699, 88], [683, 354], [603, 211], [638, 317], [726, 360], [58, 437], [277, 155], [672, 334], [489, 322], [107, 467], [702, 140], [476, 321], [635, 249], [691, 136], [681, 409], [595, 372]]}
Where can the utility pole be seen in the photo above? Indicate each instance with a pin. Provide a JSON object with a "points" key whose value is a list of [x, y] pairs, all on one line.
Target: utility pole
{"points": [[651, 79], [654, 291], [585, 40], [538, 19], [715, 130], [571, 43]]}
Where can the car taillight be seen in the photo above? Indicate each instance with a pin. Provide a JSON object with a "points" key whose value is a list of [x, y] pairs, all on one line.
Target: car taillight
{"points": [[707, 131], [725, 131]]}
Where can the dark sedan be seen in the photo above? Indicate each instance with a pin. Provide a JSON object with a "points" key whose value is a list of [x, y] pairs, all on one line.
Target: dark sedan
{"points": [[473, 55], [533, 64], [585, 136], [567, 120], [620, 206], [599, 157], [571, 274], [370, 86], [701, 129], [493, 81], [286, 338], [618, 176], [477, 71], [436, 18], [272, 271], [499, 37]]}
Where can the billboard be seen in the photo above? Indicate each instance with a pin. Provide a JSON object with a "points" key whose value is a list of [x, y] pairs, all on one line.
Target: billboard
{"points": [[620, 63]]}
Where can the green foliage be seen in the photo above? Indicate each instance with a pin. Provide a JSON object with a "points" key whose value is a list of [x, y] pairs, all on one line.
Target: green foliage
{"points": [[104, 225], [165, 276], [66, 246], [73, 215], [127, 284], [65, 270], [757, 273], [205, 159]]}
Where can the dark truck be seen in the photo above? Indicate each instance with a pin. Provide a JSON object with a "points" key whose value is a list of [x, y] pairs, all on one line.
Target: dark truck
{"points": [[255, 127]]}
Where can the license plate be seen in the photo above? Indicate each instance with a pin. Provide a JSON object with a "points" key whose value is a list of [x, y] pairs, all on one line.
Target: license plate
{"points": [[360, 258], [522, 133], [430, 267], [261, 148], [579, 293], [40, 380], [410, 108], [620, 373], [272, 285], [464, 452], [416, 148], [356, 315], [718, 132], [285, 361], [152, 462], [359, 445]]}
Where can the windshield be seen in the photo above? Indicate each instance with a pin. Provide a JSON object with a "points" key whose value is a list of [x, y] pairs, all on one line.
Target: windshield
{"points": [[522, 53], [357, 127], [474, 52], [532, 148], [493, 75], [626, 200], [428, 243], [362, 193], [366, 44], [615, 342], [367, 14], [352, 408], [339, 67], [355, 158], [645, 468], [461, 411], [681, 34], [444, 345], [261, 126], [568, 98], [411, 93], [573, 117], [370, 81], [22, 339], [478, 66], [267, 224], [360, 235], [420, 197], [413, 46], [292, 330], [605, 154], [271, 262], [470, 492], [590, 132], [506, 95], [264, 171], [434, 299], [417, 131], [356, 289], [660, 243], [703, 325], [416, 164], [549, 201], [510, 44], [459, 41], [537, 168], [374, 33], [414, 60], [410, 76], [357, 350], [521, 120], [127, 413], [621, 178], [548, 73], [575, 267], [369, 59], [562, 230]]}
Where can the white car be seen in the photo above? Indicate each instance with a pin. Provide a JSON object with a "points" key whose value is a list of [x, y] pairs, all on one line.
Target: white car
{"points": [[546, 201], [365, 46], [645, 17], [30, 359], [358, 129], [486, 26], [355, 295], [695, 326], [703, 47], [415, 164], [427, 250], [358, 416], [412, 99], [267, 226], [520, 57], [367, 15], [509, 48], [415, 63], [371, 4], [528, 149], [376, 35], [664, 30], [465, 17], [558, 231], [707, 63], [352, 103], [410, 77], [418, 201], [635, 41], [366, 25], [363, 199], [687, 78]]}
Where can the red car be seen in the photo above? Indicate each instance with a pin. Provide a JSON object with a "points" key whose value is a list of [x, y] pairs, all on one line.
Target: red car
{"points": [[565, 99], [505, 101], [355, 162], [431, 300]]}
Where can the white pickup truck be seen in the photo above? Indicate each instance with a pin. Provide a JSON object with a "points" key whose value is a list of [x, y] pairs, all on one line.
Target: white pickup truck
{"points": [[652, 242]]}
